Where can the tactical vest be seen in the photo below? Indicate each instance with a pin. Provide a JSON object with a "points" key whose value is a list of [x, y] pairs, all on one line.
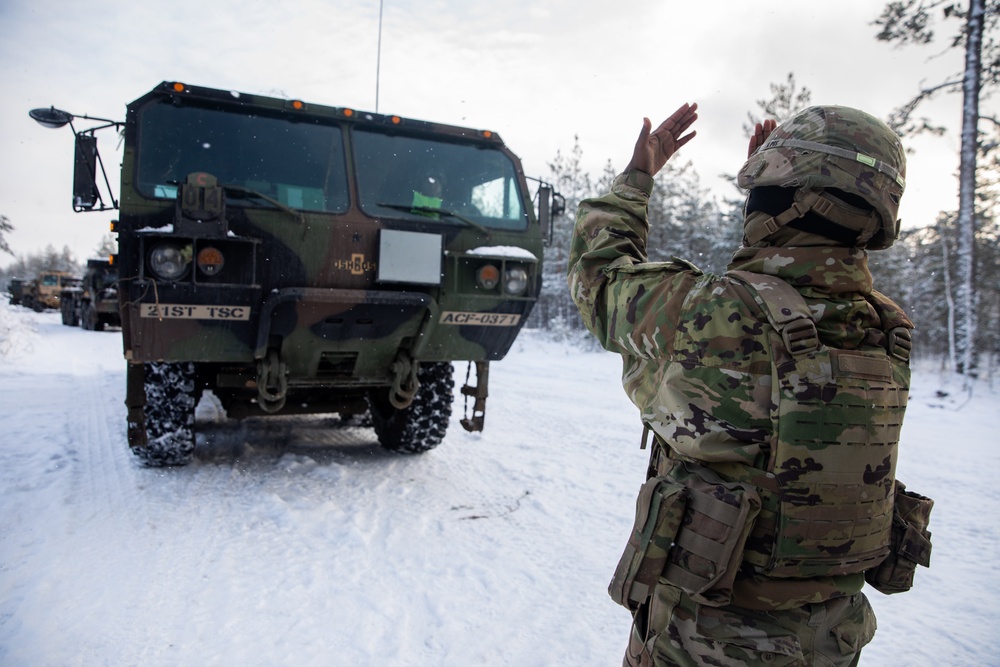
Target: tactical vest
{"points": [[827, 489]]}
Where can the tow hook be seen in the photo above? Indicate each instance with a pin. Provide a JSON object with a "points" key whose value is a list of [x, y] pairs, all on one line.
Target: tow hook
{"points": [[404, 381], [478, 392], [272, 383]]}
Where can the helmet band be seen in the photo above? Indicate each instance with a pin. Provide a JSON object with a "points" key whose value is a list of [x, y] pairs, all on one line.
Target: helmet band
{"points": [[817, 147]]}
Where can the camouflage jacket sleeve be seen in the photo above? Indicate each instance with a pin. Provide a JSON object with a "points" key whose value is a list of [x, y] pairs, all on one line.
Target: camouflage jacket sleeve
{"points": [[625, 300]]}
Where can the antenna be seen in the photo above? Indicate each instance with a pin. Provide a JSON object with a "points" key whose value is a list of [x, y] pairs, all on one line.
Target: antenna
{"points": [[378, 58]]}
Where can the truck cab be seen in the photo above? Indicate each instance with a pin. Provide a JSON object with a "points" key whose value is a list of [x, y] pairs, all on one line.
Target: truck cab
{"points": [[294, 257]]}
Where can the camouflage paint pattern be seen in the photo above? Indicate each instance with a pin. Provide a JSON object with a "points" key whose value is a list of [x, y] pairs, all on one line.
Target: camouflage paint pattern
{"points": [[659, 512], [834, 448], [683, 633], [870, 162], [911, 543], [297, 279], [697, 358]]}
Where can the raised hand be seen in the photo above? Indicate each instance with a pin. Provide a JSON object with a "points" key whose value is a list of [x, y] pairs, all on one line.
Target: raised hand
{"points": [[653, 149], [760, 134]]}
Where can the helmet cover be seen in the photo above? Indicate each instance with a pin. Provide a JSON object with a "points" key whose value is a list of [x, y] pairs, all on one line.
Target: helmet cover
{"points": [[838, 148]]}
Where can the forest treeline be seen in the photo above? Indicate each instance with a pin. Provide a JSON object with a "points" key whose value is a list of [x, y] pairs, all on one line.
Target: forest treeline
{"points": [[687, 221]]}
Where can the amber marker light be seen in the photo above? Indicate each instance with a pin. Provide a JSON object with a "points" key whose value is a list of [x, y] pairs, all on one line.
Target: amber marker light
{"points": [[488, 276], [210, 261], [396, 120], [298, 105], [487, 134], [348, 112], [178, 86]]}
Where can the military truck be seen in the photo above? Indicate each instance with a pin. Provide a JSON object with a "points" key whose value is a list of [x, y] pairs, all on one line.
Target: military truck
{"points": [[93, 302], [299, 258], [43, 291], [15, 290]]}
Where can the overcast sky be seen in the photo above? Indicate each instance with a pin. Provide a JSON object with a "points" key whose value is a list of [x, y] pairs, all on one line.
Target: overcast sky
{"points": [[539, 73]]}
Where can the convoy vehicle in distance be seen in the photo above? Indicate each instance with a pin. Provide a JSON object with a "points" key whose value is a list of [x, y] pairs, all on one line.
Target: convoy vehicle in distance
{"points": [[299, 258], [93, 302], [43, 291], [15, 291]]}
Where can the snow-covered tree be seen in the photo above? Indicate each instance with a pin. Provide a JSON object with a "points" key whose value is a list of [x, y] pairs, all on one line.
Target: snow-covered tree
{"points": [[911, 22], [5, 227], [685, 222], [50, 259], [786, 99], [107, 246], [555, 309]]}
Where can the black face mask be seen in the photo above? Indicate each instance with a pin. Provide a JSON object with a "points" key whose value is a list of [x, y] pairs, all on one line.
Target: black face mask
{"points": [[775, 200]]}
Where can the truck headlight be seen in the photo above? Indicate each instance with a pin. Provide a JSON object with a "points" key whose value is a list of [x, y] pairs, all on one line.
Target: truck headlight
{"points": [[515, 280], [169, 261]]}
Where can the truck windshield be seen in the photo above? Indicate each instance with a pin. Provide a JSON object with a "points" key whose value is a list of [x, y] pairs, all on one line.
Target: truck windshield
{"points": [[300, 164], [413, 176]]}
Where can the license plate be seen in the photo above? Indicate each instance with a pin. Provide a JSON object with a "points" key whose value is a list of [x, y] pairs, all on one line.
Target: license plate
{"points": [[176, 311], [480, 319]]}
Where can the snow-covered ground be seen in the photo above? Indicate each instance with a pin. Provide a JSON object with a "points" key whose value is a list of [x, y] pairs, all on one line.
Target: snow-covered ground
{"points": [[292, 542]]}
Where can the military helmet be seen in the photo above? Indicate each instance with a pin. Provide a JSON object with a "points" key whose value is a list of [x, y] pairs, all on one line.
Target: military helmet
{"points": [[824, 151]]}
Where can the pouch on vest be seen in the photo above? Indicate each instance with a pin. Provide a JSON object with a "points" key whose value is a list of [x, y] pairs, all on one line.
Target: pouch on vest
{"points": [[659, 510], [710, 543], [910, 543]]}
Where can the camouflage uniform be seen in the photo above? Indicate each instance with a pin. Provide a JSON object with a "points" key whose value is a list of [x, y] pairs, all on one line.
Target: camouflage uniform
{"points": [[697, 364]]}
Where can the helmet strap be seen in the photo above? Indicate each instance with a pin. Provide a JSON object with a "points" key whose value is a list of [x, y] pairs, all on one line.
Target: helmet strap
{"points": [[861, 225]]}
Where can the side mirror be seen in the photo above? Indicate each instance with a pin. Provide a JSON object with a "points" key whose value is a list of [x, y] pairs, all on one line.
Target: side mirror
{"points": [[550, 205], [545, 211], [85, 194], [558, 204]]}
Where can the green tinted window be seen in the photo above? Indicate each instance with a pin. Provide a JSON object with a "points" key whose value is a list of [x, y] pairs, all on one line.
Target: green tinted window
{"points": [[300, 164], [413, 177]]}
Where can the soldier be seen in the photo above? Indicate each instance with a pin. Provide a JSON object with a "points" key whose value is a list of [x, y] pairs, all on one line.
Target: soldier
{"points": [[774, 394]]}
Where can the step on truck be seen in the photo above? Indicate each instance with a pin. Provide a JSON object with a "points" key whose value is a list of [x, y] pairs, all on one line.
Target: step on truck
{"points": [[299, 258]]}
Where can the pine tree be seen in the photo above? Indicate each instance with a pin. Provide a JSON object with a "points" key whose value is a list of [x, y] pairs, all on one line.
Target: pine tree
{"points": [[911, 22], [5, 227]]}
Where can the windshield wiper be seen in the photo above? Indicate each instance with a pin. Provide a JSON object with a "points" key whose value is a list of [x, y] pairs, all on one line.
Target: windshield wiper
{"points": [[438, 211], [270, 200]]}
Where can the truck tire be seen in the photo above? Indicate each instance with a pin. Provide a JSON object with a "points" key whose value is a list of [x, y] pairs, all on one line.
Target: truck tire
{"points": [[69, 317], [91, 319], [170, 402], [421, 426]]}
